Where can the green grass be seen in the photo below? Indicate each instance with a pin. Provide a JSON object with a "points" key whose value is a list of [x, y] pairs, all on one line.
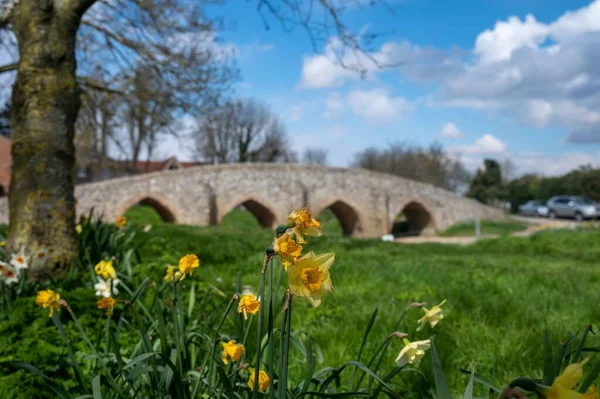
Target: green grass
{"points": [[142, 214], [488, 227], [501, 295]]}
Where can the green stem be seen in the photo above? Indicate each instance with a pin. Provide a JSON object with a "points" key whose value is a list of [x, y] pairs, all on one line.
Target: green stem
{"points": [[63, 334], [270, 327], [261, 294], [285, 349]]}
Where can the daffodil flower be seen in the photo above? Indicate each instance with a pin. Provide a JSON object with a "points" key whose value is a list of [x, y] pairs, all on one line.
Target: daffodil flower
{"points": [[263, 380], [564, 385], [120, 222], [103, 287], [310, 277], [232, 351], [304, 225], [187, 264], [19, 261], [48, 299], [432, 316], [107, 303], [288, 250], [172, 274], [413, 352], [8, 274], [248, 304], [106, 270]]}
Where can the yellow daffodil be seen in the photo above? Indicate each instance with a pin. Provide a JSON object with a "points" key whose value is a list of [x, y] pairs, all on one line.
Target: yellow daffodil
{"points": [[304, 225], [288, 250], [232, 351], [120, 222], [412, 353], [79, 228], [310, 278], [107, 303], [2, 243], [187, 264], [432, 316], [105, 269], [248, 304], [48, 299], [263, 380], [173, 274], [564, 385]]}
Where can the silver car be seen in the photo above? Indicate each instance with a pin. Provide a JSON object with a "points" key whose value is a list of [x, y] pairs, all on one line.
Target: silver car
{"points": [[573, 206], [533, 208]]}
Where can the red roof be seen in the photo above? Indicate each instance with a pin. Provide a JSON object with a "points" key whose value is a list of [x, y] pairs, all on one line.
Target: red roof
{"points": [[155, 166], [5, 162]]}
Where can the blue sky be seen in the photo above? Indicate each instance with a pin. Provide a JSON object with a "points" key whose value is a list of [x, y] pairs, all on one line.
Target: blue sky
{"points": [[490, 78]]}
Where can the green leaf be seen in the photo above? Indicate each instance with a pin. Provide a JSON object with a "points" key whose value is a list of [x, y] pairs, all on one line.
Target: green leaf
{"points": [[50, 385], [483, 380], [96, 388], [580, 348], [225, 381], [139, 359], [441, 385], [340, 395], [469, 391], [310, 367], [192, 300], [548, 369], [590, 378]]}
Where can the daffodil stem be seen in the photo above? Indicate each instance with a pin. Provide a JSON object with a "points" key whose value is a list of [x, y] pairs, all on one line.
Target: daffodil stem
{"points": [[285, 346], [61, 330], [176, 330], [381, 352], [261, 295], [270, 327], [212, 353], [94, 351]]}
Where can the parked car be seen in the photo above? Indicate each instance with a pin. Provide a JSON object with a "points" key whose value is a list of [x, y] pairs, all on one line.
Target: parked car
{"points": [[572, 206], [533, 208]]}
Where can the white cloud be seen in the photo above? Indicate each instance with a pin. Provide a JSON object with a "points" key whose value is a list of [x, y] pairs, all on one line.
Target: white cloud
{"points": [[296, 112], [486, 144], [499, 43], [334, 105], [377, 105], [450, 131]]}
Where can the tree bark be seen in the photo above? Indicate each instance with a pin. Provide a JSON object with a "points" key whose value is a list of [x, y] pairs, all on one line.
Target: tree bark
{"points": [[45, 100]]}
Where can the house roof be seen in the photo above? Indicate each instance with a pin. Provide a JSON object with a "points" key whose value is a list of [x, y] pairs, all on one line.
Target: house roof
{"points": [[5, 162]]}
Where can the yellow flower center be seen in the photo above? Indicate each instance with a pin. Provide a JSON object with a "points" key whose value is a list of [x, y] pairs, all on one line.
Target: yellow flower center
{"points": [[312, 278]]}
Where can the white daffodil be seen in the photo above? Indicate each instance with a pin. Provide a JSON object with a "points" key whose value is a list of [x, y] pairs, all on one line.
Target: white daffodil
{"points": [[40, 256], [103, 287], [413, 352], [19, 261], [8, 274]]}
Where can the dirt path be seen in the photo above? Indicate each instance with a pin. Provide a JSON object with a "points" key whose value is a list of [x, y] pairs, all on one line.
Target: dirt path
{"points": [[535, 224]]}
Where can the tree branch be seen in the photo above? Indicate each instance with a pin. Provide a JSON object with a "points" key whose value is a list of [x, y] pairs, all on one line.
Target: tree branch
{"points": [[9, 67]]}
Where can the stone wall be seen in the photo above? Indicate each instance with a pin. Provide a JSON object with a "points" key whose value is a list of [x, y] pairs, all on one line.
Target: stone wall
{"points": [[366, 202]]}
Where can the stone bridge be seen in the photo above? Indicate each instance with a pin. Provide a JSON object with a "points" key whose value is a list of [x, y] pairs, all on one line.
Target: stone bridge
{"points": [[366, 203]]}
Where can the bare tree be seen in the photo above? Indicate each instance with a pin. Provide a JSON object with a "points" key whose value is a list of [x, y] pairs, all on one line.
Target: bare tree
{"points": [[430, 165], [242, 131], [315, 156], [117, 37]]}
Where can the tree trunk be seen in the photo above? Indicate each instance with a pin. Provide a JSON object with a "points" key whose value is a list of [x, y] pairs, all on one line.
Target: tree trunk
{"points": [[45, 100]]}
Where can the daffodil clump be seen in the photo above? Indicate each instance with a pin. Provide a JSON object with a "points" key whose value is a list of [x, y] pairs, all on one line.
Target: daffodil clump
{"points": [[107, 285], [48, 299], [308, 275], [14, 270]]}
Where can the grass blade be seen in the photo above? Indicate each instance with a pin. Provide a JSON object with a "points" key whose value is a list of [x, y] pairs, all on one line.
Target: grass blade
{"points": [[96, 388], [483, 381], [588, 329], [469, 391], [362, 345], [310, 367], [441, 385], [548, 369]]}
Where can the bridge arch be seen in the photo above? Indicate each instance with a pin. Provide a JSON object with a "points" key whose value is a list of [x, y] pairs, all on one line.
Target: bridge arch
{"points": [[161, 205], [347, 215], [413, 217], [264, 213]]}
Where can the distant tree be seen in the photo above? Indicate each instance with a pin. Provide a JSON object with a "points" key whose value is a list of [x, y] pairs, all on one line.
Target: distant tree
{"points": [[430, 165], [487, 185], [315, 156], [242, 131], [5, 119], [521, 190]]}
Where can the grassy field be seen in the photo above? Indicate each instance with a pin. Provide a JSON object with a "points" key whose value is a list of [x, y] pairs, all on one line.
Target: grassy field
{"points": [[488, 227], [501, 295]]}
